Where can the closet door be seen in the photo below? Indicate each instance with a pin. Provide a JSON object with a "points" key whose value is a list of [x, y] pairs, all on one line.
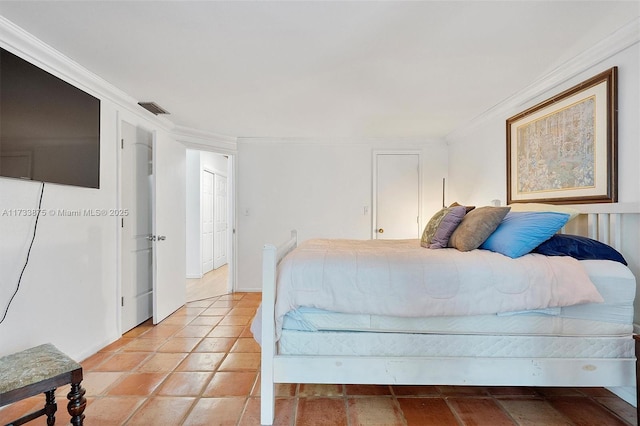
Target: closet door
{"points": [[396, 195], [208, 220], [221, 223]]}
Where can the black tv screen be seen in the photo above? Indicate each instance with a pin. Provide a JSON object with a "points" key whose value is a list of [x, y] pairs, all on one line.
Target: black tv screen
{"points": [[49, 129]]}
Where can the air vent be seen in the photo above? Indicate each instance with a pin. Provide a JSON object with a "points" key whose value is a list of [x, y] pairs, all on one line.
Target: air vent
{"points": [[153, 107]]}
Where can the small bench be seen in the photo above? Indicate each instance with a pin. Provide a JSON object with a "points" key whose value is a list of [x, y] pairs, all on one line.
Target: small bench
{"points": [[41, 370]]}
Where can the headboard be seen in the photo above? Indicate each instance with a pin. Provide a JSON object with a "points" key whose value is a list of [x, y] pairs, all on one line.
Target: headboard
{"points": [[608, 223], [618, 225]]}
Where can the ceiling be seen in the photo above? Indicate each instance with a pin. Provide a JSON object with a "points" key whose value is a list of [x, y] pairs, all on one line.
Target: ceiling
{"points": [[321, 69]]}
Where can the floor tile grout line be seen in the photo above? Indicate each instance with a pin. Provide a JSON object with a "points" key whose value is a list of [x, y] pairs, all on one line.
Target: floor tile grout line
{"points": [[197, 398], [539, 394]]}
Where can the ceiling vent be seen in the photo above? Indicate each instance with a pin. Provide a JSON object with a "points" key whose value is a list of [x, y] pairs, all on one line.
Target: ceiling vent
{"points": [[153, 108]]}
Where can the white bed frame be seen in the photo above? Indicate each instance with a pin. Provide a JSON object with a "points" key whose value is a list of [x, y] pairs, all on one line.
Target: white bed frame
{"points": [[481, 371]]}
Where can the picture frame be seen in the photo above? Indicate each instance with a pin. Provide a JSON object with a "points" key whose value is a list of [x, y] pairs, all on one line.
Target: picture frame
{"points": [[564, 149]]}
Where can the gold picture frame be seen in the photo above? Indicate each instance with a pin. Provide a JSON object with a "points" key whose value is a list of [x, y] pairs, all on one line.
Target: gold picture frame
{"points": [[564, 150]]}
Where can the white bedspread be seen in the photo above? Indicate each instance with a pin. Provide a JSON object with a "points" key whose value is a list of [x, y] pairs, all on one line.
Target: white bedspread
{"points": [[400, 278]]}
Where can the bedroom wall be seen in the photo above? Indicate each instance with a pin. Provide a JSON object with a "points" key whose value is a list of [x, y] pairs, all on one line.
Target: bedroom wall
{"points": [[478, 181], [69, 292], [318, 187]]}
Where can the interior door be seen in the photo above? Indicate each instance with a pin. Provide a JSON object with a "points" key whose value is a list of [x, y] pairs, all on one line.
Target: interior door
{"points": [[170, 159], [137, 226], [397, 195], [208, 219], [221, 221]]}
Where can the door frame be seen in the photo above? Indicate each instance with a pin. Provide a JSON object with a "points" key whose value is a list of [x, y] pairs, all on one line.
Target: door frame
{"points": [[187, 141], [374, 184]]}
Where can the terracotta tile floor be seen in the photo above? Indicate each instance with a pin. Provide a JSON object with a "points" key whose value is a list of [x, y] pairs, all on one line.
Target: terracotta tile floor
{"points": [[200, 367]]}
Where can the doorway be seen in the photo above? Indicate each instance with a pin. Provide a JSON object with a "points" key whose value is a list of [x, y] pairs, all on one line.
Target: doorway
{"points": [[396, 193], [209, 224]]}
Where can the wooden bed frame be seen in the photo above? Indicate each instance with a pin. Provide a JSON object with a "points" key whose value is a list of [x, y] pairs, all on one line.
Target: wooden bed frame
{"points": [[602, 225]]}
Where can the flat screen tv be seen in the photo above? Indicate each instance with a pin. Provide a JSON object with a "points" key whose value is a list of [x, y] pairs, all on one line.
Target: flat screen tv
{"points": [[49, 129]]}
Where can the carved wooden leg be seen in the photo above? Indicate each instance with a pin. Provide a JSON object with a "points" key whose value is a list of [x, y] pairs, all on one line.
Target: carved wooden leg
{"points": [[77, 404], [637, 339], [50, 407]]}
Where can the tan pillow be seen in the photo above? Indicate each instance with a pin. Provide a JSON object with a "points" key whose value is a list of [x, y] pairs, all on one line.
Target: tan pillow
{"points": [[468, 208], [541, 207], [476, 227]]}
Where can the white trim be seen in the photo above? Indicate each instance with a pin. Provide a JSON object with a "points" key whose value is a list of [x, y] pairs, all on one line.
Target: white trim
{"points": [[627, 393], [205, 141], [25, 45], [340, 141], [118, 224]]}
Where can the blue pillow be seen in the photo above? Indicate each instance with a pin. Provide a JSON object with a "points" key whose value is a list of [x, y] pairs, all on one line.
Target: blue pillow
{"points": [[521, 232], [581, 248]]}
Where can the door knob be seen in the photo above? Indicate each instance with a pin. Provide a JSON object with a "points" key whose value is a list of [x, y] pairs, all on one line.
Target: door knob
{"points": [[380, 231], [161, 238]]}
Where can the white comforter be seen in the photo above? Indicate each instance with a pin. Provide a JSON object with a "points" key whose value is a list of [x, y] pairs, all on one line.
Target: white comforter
{"points": [[400, 278]]}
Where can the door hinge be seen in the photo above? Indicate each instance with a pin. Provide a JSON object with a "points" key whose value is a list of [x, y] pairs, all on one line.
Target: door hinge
{"points": [[121, 143], [122, 301], [122, 222]]}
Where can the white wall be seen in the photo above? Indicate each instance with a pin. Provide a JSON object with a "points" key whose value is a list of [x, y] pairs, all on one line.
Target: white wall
{"points": [[477, 178], [70, 288], [68, 294], [319, 188]]}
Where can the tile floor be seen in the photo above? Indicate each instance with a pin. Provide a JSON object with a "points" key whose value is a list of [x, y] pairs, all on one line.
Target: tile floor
{"points": [[200, 367]]}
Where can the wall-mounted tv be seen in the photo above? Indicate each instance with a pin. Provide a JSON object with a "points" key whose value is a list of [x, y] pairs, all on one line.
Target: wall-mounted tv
{"points": [[49, 129]]}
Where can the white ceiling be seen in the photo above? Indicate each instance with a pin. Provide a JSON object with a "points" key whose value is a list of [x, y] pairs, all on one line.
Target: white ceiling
{"points": [[321, 69]]}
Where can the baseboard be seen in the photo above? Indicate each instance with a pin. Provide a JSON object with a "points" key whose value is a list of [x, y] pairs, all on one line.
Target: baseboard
{"points": [[627, 393]]}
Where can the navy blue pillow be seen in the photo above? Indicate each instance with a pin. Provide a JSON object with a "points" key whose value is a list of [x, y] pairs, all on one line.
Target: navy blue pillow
{"points": [[581, 248]]}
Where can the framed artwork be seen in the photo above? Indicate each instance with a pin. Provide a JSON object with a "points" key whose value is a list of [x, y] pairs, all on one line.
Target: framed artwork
{"points": [[564, 150]]}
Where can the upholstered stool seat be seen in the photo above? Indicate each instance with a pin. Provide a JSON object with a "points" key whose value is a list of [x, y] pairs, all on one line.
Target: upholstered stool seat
{"points": [[42, 369]]}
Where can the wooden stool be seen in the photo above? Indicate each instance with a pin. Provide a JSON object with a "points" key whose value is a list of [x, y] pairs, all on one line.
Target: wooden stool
{"points": [[41, 370]]}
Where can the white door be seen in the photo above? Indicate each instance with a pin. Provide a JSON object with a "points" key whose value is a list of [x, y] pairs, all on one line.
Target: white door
{"points": [[221, 222], [137, 226], [169, 162], [397, 195], [208, 201]]}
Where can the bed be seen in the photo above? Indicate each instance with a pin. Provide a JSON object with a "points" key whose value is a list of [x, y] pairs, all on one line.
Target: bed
{"points": [[524, 330]]}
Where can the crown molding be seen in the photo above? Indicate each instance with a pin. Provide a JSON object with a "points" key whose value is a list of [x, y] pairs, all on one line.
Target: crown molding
{"points": [[623, 38], [23, 44], [207, 141], [339, 141]]}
